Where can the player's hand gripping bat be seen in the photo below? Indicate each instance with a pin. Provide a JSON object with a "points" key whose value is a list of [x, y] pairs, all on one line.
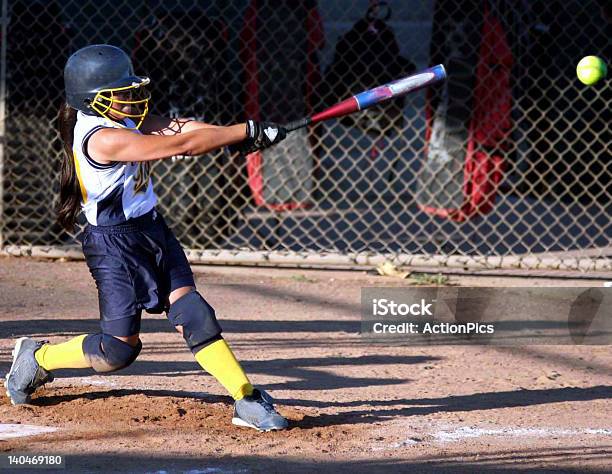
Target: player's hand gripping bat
{"points": [[374, 96]]}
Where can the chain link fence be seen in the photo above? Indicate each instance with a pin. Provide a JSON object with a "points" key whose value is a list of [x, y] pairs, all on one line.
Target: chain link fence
{"points": [[505, 165]]}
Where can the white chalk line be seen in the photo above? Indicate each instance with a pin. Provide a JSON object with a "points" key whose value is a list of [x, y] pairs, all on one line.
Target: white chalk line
{"points": [[10, 430], [449, 434], [467, 432]]}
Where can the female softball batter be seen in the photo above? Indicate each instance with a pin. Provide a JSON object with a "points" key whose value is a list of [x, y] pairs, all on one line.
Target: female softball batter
{"points": [[134, 258]]}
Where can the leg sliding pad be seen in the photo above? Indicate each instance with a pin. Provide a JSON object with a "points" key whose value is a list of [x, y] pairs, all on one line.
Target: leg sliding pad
{"points": [[197, 317], [107, 353]]}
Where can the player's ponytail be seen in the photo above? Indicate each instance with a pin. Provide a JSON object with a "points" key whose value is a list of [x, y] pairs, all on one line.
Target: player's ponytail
{"points": [[69, 204]]}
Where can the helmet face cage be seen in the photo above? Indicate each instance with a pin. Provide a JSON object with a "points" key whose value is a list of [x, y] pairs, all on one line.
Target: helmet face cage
{"points": [[99, 80], [135, 95]]}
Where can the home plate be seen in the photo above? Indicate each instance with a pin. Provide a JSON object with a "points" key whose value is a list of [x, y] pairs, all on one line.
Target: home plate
{"points": [[16, 431]]}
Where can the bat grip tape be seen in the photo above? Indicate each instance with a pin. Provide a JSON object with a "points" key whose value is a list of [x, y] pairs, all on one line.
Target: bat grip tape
{"points": [[290, 126]]}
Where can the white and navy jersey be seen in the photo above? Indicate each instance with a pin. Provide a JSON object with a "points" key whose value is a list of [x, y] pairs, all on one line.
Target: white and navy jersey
{"points": [[115, 192]]}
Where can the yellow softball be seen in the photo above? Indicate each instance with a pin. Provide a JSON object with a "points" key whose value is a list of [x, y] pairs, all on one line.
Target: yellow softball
{"points": [[591, 70]]}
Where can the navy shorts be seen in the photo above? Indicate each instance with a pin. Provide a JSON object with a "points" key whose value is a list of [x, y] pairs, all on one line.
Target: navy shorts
{"points": [[136, 266]]}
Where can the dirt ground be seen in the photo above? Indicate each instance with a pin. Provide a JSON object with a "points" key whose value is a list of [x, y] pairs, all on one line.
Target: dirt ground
{"points": [[352, 405]]}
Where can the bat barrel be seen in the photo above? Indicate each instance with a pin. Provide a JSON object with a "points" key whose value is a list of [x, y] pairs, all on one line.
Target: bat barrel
{"points": [[401, 87], [377, 95]]}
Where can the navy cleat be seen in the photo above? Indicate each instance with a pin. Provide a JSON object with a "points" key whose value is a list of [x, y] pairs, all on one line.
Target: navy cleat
{"points": [[25, 375], [257, 411]]}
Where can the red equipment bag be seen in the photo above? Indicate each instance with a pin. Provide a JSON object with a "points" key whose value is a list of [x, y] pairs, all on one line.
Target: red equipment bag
{"points": [[279, 42], [469, 118]]}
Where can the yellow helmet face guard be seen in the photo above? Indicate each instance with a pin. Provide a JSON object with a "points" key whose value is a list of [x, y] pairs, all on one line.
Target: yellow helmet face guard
{"points": [[105, 98]]}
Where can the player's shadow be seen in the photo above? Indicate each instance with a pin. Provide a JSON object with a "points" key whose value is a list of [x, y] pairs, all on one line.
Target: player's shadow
{"points": [[375, 410]]}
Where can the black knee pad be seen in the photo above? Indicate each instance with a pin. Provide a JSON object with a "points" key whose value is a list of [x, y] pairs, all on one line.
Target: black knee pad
{"points": [[107, 353], [197, 317]]}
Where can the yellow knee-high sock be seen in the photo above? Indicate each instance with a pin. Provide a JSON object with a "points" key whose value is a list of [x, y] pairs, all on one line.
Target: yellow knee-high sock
{"points": [[67, 355], [219, 361]]}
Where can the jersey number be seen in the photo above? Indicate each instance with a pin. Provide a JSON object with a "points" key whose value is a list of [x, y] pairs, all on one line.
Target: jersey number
{"points": [[141, 178]]}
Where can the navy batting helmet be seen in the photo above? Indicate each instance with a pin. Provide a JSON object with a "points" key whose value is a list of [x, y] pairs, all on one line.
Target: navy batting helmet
{"points": [[98, 76]]}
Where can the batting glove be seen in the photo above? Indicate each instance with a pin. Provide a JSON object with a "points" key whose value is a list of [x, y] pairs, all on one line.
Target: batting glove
{"points": [[261, 135]]}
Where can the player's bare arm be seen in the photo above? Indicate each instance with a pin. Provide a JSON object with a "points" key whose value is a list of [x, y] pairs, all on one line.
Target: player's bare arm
{"points": [[118, 144], [110, 145]]}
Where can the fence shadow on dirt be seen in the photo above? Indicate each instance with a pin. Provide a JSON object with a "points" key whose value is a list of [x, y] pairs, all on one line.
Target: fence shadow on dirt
{"points": [[301, 373], [71, 327]]}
